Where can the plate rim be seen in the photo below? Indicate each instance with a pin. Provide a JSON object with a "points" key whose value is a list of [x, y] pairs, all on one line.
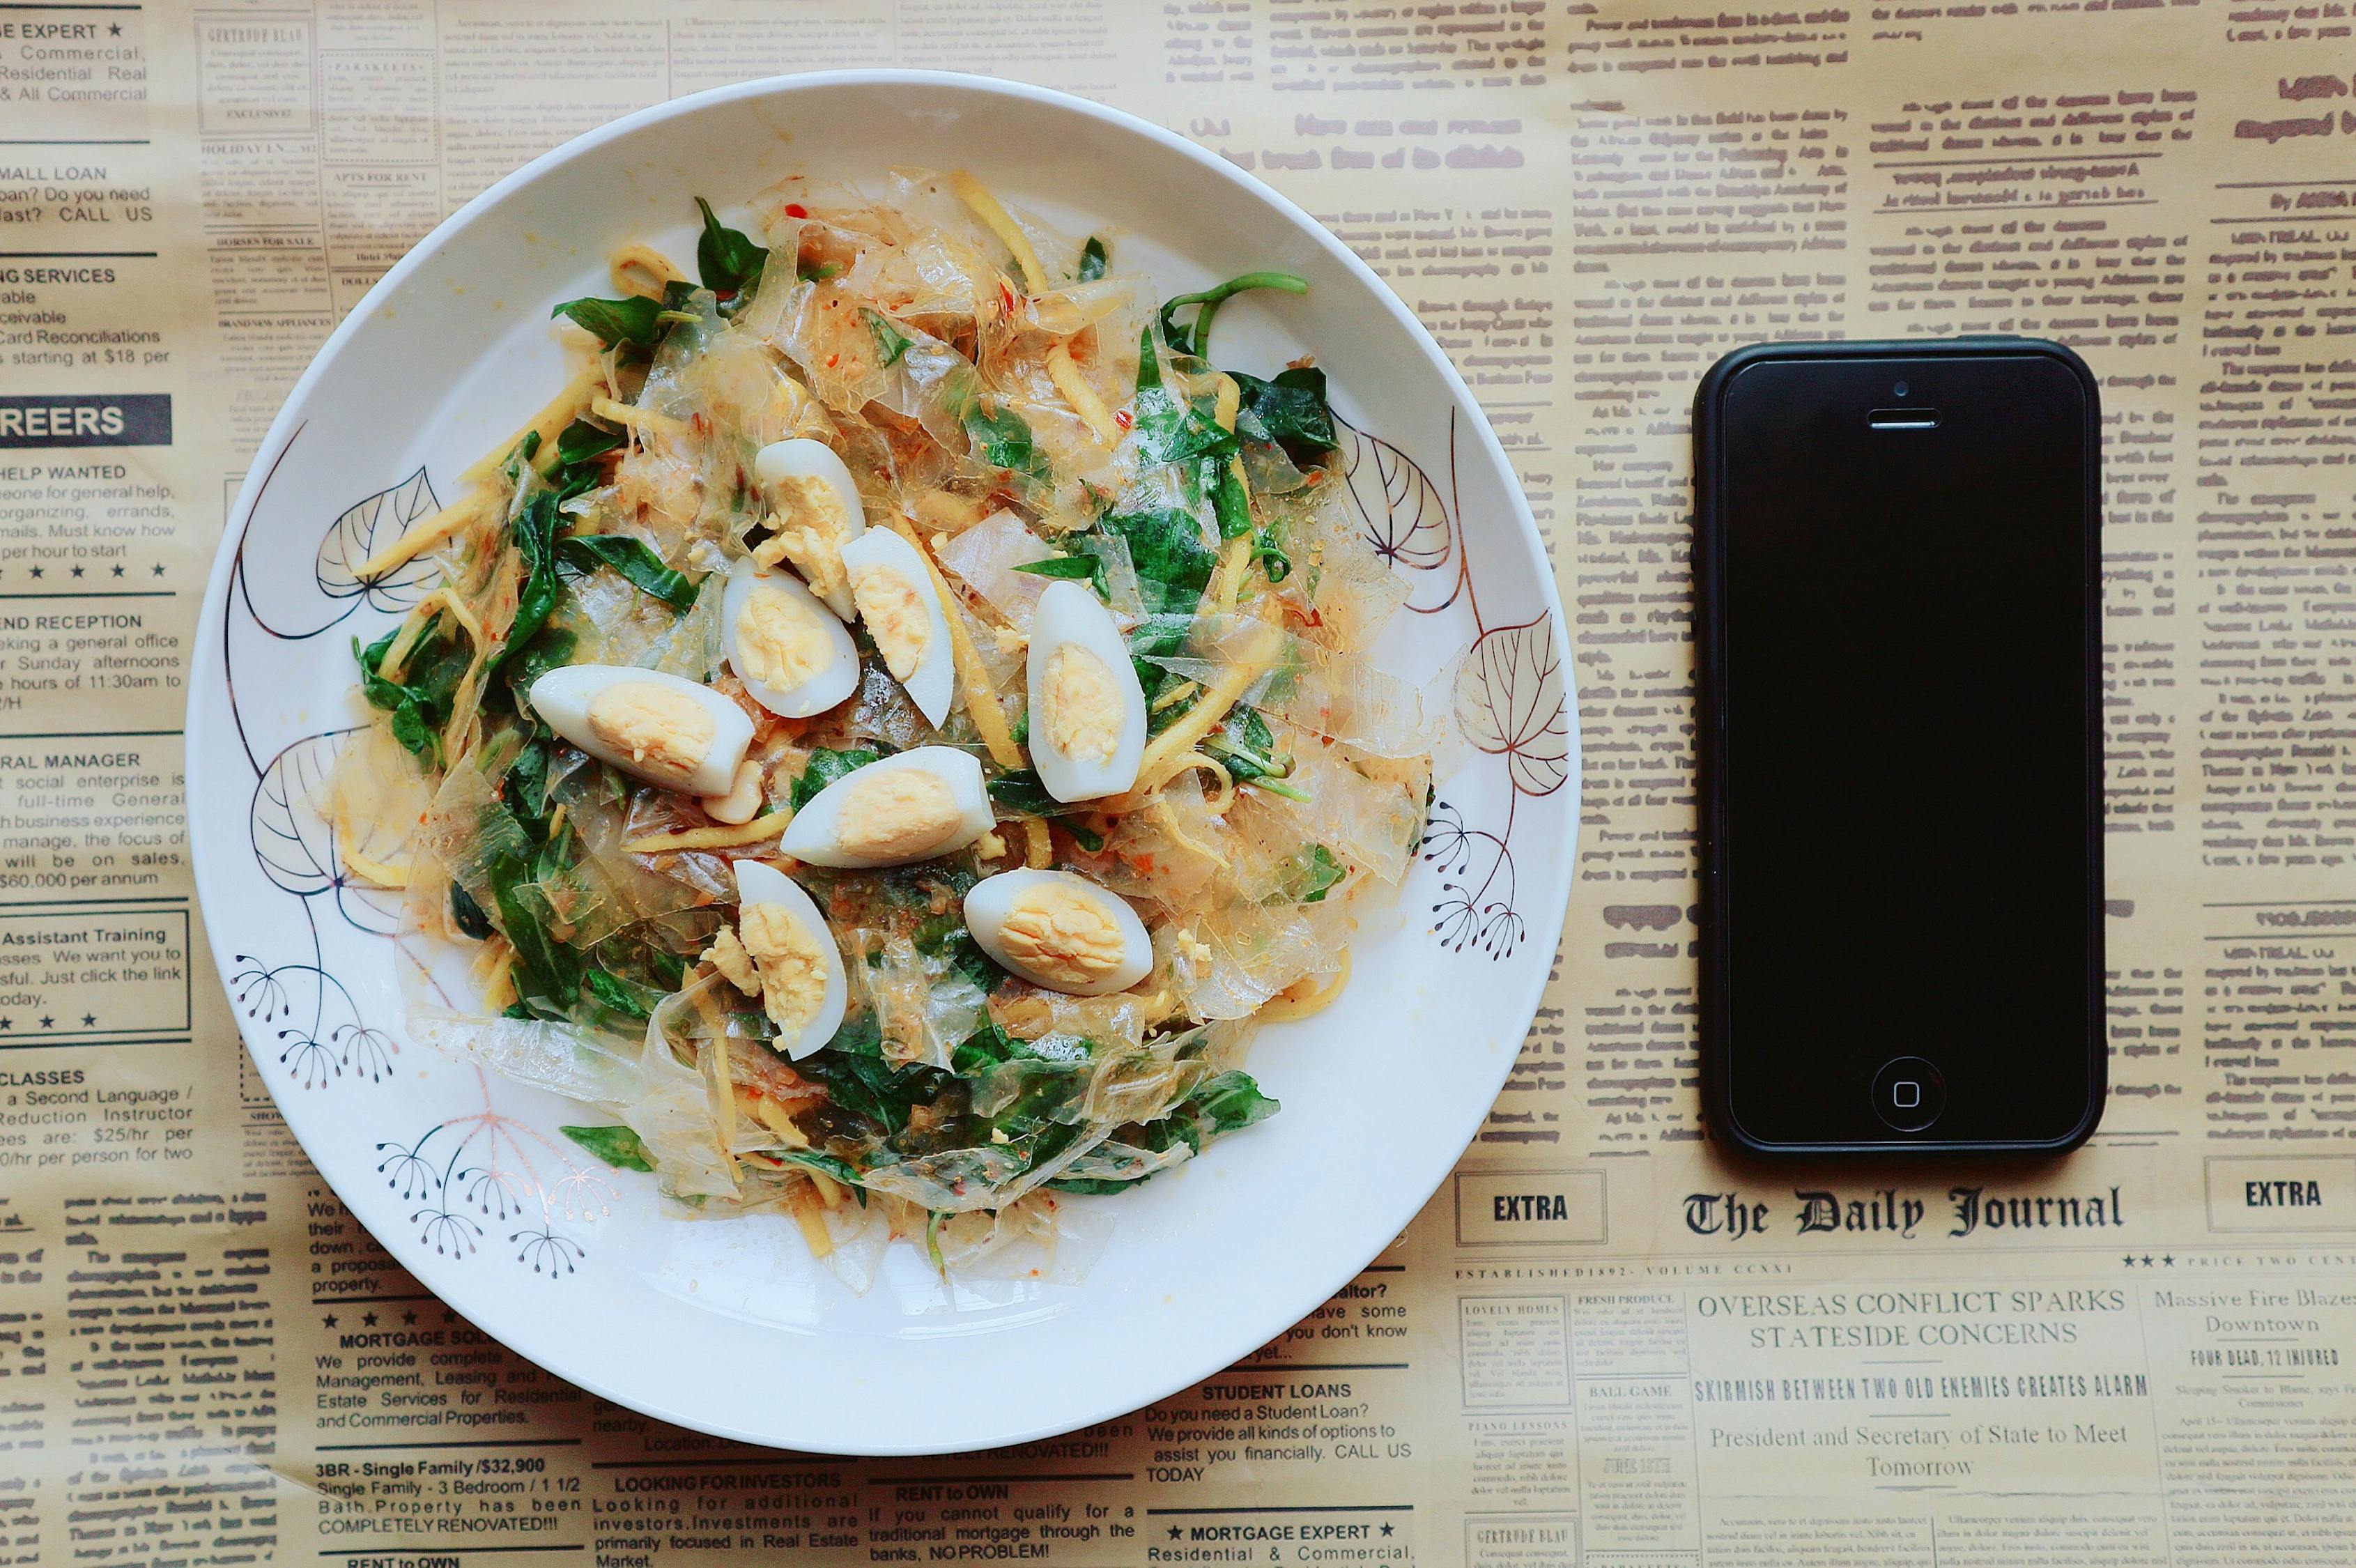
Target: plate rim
{"points": [[200, 739]]}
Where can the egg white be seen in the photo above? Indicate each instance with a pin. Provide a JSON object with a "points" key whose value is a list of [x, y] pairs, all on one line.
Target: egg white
{"points": [[1069, 614], [988, 902], [804, 458], [562, 698], [759, 884], [831, 685], [932, 683], [815, 834]]}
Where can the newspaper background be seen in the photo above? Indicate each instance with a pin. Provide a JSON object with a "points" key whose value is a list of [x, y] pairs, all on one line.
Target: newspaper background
{"points": [[1602, 1341]]}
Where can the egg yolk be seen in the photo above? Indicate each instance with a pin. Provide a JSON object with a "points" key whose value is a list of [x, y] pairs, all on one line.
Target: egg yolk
{"points": [[809, 526], [1083, 705], [1060, 936], [792, 964], [779, 641], [665, 733], [727, 955], [896, 616], [905, 814]]}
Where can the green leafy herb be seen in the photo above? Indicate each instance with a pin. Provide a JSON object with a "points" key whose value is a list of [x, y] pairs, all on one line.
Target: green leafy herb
{"points": [[1173, 565], [468, 915], [825, 768], [419, 701], [534, 535], [865, 1085], [821, 273], [551, 648], [1230, 501], [1272, 557], [1094, 258], [841, 1170], [635, 322], [1290, 410], [1207, 303], [624, 996], [1002, 440], [730, 261], [1076, 568], [1227, 1103], [1312, 873], [1168, 430], [1022, 791], [890, 342], [620, 1147], [1086, 838], [580, 441], [633, 559]]}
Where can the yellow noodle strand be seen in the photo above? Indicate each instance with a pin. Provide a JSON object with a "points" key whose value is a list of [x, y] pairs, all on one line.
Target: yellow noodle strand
{"points": [[645, 420], [561, 409], [976, 195], [1039, 849], [1081, 396], [642, 271], [422, 535], [760, 828], [1293, 1003]]}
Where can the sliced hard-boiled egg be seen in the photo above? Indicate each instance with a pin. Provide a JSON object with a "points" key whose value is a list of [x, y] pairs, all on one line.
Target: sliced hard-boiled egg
{"points": [[1059, 930], [894, 594], [815, 511], [796, 967], [1087, 711], [793, 657], [665, 729], [908, 806]]}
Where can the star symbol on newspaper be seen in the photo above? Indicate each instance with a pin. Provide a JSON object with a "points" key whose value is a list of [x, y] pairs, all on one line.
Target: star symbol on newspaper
{"points": [[2147, 1259], [329, 1321], [114, 30], [118, 570], [36, 570], [1173, 1532], [408, 1314], [369, 1320], [2167, 1259], [7, 1023], [158, 568], [77, 571], [2128, 1260], [89, 1020], [1386, 1529], [48, 1022]]}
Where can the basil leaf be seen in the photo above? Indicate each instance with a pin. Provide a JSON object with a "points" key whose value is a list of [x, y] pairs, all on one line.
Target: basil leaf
{"points": [[1290, 410], [1312, 873], [419, 701], [1167, 430], [730, 261], [1003, 441], [635, 322], [869, 1087], [1022, 791], [841, 1170], [1077, 568], [826, 767], [1093, 260], [1174, 566], [1230, 502], [624, 996], [635, 563], [890, 342], [533, 533], [580, 441], [468, 915], [620, 1147]]}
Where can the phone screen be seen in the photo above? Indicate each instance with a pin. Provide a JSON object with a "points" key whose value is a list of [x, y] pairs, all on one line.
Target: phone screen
{"points": [[1906, 871]]}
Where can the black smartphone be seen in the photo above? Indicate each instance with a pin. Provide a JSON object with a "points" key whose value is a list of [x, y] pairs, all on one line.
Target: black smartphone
{"points": [[1897, 564]]}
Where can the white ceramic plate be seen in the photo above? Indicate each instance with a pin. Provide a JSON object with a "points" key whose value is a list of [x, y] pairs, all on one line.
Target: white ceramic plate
{"points": [[726, 1324]]}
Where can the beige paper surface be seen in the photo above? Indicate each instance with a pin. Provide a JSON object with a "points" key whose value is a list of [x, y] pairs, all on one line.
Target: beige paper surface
{"points": [[1601, 1342]]}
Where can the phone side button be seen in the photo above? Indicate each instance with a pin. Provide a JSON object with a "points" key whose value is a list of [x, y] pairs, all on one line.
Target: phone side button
{"points": [[1909, 1093]]}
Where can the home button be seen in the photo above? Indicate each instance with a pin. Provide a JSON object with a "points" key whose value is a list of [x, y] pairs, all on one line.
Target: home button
{"points": [[1908, 1094]]}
